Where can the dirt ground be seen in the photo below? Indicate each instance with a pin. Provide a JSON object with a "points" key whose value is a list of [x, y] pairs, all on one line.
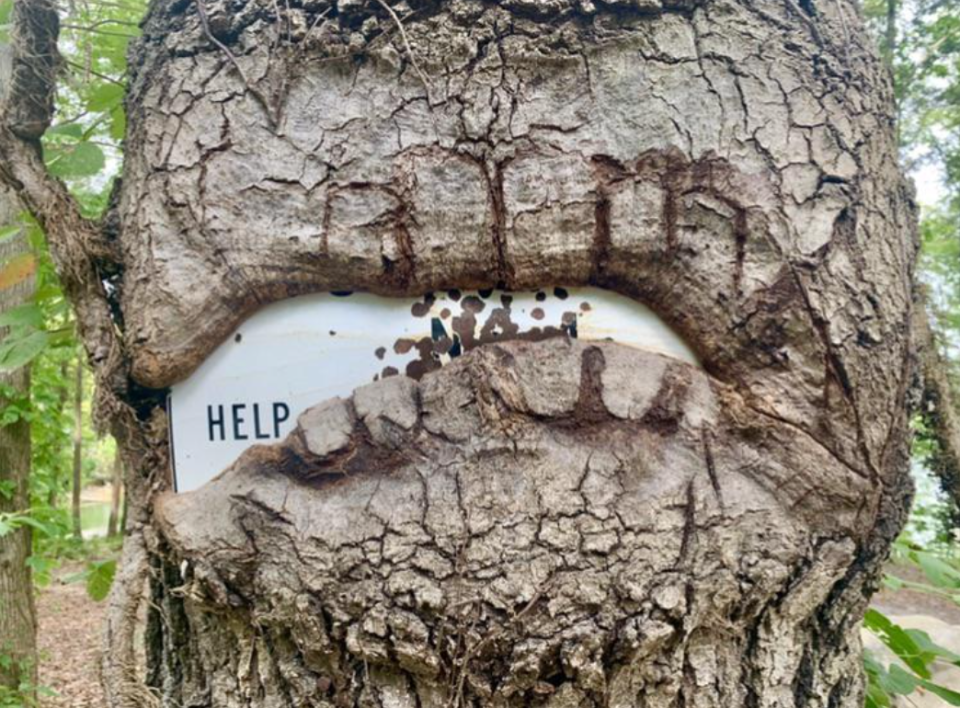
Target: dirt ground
{"points": [[914, 602], [69, 642]]}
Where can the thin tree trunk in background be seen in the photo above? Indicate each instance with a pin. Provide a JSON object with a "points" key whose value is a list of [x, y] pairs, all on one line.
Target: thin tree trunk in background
{"points": [[889, 49], [890, 33], [115, 495], [938, 411], [53, 494], [18, 617], [17, 611], [77, 449]]}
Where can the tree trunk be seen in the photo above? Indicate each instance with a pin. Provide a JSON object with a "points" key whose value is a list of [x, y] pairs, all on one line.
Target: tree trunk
{"points": [[53, 497], [18, 624], [553, 523], [939, 413], [116, 486], [17, 613], [890, 31], [77, 479]]}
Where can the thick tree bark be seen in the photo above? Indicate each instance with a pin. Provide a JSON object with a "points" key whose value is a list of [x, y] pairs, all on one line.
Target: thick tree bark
{"points": [[538, 524], [558, 523], [18, 647]]}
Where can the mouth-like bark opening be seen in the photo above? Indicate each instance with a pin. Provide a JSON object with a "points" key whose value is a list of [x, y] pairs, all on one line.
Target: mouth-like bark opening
{"points": [[288, 356]]}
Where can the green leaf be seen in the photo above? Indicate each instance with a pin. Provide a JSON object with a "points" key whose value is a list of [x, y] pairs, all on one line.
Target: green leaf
{"points": [[105, 97], [8, 232], [100, 578], [65, 337], [13, 414], [877, 695], [876, 698], [72, 130], [900, 682], [938, 572], [35, 236], [42, 569], [80, 160], [118, 123], [950, 696], [876, 621], [28, 314], [892, 582], [16, 352], [898, 641], [27, 520], [934, 650]]}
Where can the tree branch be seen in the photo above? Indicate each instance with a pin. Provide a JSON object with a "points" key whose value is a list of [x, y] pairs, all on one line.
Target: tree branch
{"points": [[76, 243], [88, 70]]}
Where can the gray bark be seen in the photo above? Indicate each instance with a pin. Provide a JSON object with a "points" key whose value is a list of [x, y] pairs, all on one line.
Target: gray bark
{"points": [[556, 523]]}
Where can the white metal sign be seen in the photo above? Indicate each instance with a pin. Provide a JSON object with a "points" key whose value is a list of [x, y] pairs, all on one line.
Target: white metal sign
{"points": [[294, 354]]}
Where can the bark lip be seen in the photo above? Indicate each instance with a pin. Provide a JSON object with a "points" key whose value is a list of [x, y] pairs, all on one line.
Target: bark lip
{"points": [[525, 504]]}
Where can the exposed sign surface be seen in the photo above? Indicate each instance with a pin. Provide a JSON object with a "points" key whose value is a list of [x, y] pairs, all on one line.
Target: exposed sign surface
{"points": [[294, 354]]}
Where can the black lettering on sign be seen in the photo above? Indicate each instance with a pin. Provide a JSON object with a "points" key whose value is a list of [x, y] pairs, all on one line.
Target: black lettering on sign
{"points": [[239, 429], [238, 421], [281, 411], [215, 422], [257, 433]]}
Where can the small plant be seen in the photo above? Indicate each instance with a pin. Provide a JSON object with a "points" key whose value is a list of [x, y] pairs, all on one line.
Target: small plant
{"points": [[27, 694], [917, 652], [918, 655]]}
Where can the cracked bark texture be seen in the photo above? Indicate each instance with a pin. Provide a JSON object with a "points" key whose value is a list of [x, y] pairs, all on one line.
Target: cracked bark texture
{"points": [[560, 523], [554, 523]]}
